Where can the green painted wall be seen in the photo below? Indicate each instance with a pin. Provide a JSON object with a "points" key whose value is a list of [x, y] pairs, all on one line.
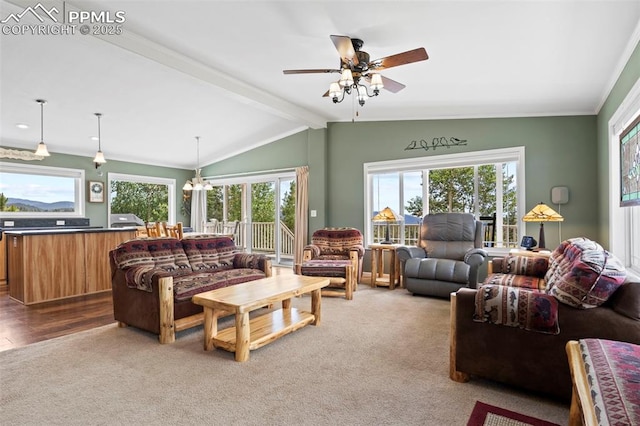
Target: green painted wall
{"points": [[628, 77], [97, 212], [307, 148], [559, 151]]}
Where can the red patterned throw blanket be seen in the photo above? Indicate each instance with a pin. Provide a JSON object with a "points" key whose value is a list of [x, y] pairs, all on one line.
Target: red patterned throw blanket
{"points": [[515, 307], [613, 372]]}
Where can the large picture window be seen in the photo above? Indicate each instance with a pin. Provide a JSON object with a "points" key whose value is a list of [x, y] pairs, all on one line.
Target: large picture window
{"points": [[151, 199], [481, 183], [40, 191]]}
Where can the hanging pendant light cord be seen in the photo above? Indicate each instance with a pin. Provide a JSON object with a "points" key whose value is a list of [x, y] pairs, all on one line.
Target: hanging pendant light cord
{"points": [[99, 137], [41, 121], [197, 152]]}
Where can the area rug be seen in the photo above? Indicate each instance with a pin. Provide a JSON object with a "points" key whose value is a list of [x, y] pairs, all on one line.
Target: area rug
{"points": [[489, 415]]}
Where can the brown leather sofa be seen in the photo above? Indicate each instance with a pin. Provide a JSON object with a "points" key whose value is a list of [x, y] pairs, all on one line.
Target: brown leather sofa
{"points": [[153, 279], [532, 360]]}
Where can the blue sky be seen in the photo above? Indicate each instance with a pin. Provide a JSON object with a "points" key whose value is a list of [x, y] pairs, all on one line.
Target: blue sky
{"points": [[47, 189], [387, 194]]}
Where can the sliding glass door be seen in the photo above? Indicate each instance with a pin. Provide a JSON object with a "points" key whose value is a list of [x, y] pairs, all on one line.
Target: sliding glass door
{"points": [[265, 208]]}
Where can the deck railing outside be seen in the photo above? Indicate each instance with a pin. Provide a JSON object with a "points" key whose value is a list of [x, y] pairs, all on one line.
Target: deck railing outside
{"points": [[263, 234], [412, 232]]}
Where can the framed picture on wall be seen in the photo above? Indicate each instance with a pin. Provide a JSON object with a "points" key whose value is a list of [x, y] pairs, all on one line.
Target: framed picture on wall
{"points": [[96, 192]]}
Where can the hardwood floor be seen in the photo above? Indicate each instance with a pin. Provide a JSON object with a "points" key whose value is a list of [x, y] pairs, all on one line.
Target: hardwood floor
{"points": [[22, 325]]}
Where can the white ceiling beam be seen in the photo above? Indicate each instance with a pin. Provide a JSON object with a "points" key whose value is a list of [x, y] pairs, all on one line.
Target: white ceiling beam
{"points": [[231, 86]]}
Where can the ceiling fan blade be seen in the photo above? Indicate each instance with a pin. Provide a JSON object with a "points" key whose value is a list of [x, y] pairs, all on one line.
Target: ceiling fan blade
{"points": [[415, 55], [310, 71], [345, 48], [391, 85]]}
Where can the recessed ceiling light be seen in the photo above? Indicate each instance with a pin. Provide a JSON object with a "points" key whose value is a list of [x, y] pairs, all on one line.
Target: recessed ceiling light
{"points": [[22, 126], [94, 138]]}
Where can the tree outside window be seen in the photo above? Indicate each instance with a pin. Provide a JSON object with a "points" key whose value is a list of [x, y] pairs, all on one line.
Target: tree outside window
{"points": [[148, 201], [480, 183]]}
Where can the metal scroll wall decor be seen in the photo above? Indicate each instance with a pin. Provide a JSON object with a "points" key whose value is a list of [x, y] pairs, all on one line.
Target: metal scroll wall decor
{"points": [[436, 143]]}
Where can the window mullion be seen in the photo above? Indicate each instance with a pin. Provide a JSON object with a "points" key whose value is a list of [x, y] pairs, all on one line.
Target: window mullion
{"points": [[500, 207], [425, 192], [476, 192]]}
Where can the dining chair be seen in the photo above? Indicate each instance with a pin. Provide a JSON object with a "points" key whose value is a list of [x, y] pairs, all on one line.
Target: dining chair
{"points": [[154, 229], [174, 231], [230, 227]]}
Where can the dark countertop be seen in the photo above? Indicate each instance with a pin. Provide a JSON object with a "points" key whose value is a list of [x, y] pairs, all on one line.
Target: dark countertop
{"points": [[51, 231]]}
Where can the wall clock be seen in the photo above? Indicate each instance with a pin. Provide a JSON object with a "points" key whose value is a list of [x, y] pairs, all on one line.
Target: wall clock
{"points": [[96, 192]]}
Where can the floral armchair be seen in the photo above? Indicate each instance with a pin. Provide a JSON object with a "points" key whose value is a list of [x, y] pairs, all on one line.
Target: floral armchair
{"points": [[335, 253]]}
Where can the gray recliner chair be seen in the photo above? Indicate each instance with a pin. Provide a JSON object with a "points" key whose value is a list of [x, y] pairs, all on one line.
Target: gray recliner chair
{"points": [[447, 257]]}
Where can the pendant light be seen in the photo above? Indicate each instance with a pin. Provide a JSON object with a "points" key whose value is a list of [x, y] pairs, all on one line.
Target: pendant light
{"points": [[197, 183], [99, 159], [42, 148]]}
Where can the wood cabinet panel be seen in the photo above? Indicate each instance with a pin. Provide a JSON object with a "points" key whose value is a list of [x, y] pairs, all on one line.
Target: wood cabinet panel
{"points": [[45, 267], [54, 266], [3, 261], [97, 247], [15, 264]]}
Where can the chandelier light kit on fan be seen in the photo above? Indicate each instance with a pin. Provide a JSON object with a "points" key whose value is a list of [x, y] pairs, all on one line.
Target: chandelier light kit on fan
{"points": [[99, 159], [42, 150], [355, 67], [197, 183]]}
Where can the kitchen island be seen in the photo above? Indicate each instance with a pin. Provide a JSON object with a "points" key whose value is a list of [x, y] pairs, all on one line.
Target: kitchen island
{"points": [[52, 264]]}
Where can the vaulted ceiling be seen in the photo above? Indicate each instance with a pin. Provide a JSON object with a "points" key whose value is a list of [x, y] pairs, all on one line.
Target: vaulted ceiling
{"points": [[213, 69]]}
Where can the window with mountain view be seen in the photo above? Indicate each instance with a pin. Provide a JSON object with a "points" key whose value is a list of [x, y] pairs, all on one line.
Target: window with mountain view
{"points": [[40, 191]]}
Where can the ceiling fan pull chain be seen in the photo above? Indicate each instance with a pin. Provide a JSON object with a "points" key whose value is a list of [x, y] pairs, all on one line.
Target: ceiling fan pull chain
{"points": [[353, 109]]}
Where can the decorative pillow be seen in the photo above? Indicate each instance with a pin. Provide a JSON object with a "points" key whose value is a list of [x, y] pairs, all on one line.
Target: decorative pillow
{"points": [[534, 266], [133, 253], [168, 254], [521, 281], [516, 307], [582, 274], [209, 252]]}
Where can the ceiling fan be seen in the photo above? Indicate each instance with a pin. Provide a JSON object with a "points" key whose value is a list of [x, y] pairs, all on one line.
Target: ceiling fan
{"points": [[355, 65]]}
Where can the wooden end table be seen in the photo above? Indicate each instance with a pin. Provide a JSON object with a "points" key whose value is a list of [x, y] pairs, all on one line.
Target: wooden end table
{"points": [[378, 277], [241, 299]]}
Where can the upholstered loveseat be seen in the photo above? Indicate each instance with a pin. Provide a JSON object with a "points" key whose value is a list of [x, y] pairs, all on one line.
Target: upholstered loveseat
{"points": [[581, 294], [153, 279]]}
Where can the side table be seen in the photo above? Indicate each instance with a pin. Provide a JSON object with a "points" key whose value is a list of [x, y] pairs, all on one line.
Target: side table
{"points": [[378, 277]]}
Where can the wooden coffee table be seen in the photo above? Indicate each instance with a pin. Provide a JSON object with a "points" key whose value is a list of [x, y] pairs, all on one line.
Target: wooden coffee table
{"points": [[243, 298]]}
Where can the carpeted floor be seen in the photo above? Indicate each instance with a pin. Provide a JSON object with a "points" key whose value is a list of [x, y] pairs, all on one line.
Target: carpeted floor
{"points": [[380, 359]]}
